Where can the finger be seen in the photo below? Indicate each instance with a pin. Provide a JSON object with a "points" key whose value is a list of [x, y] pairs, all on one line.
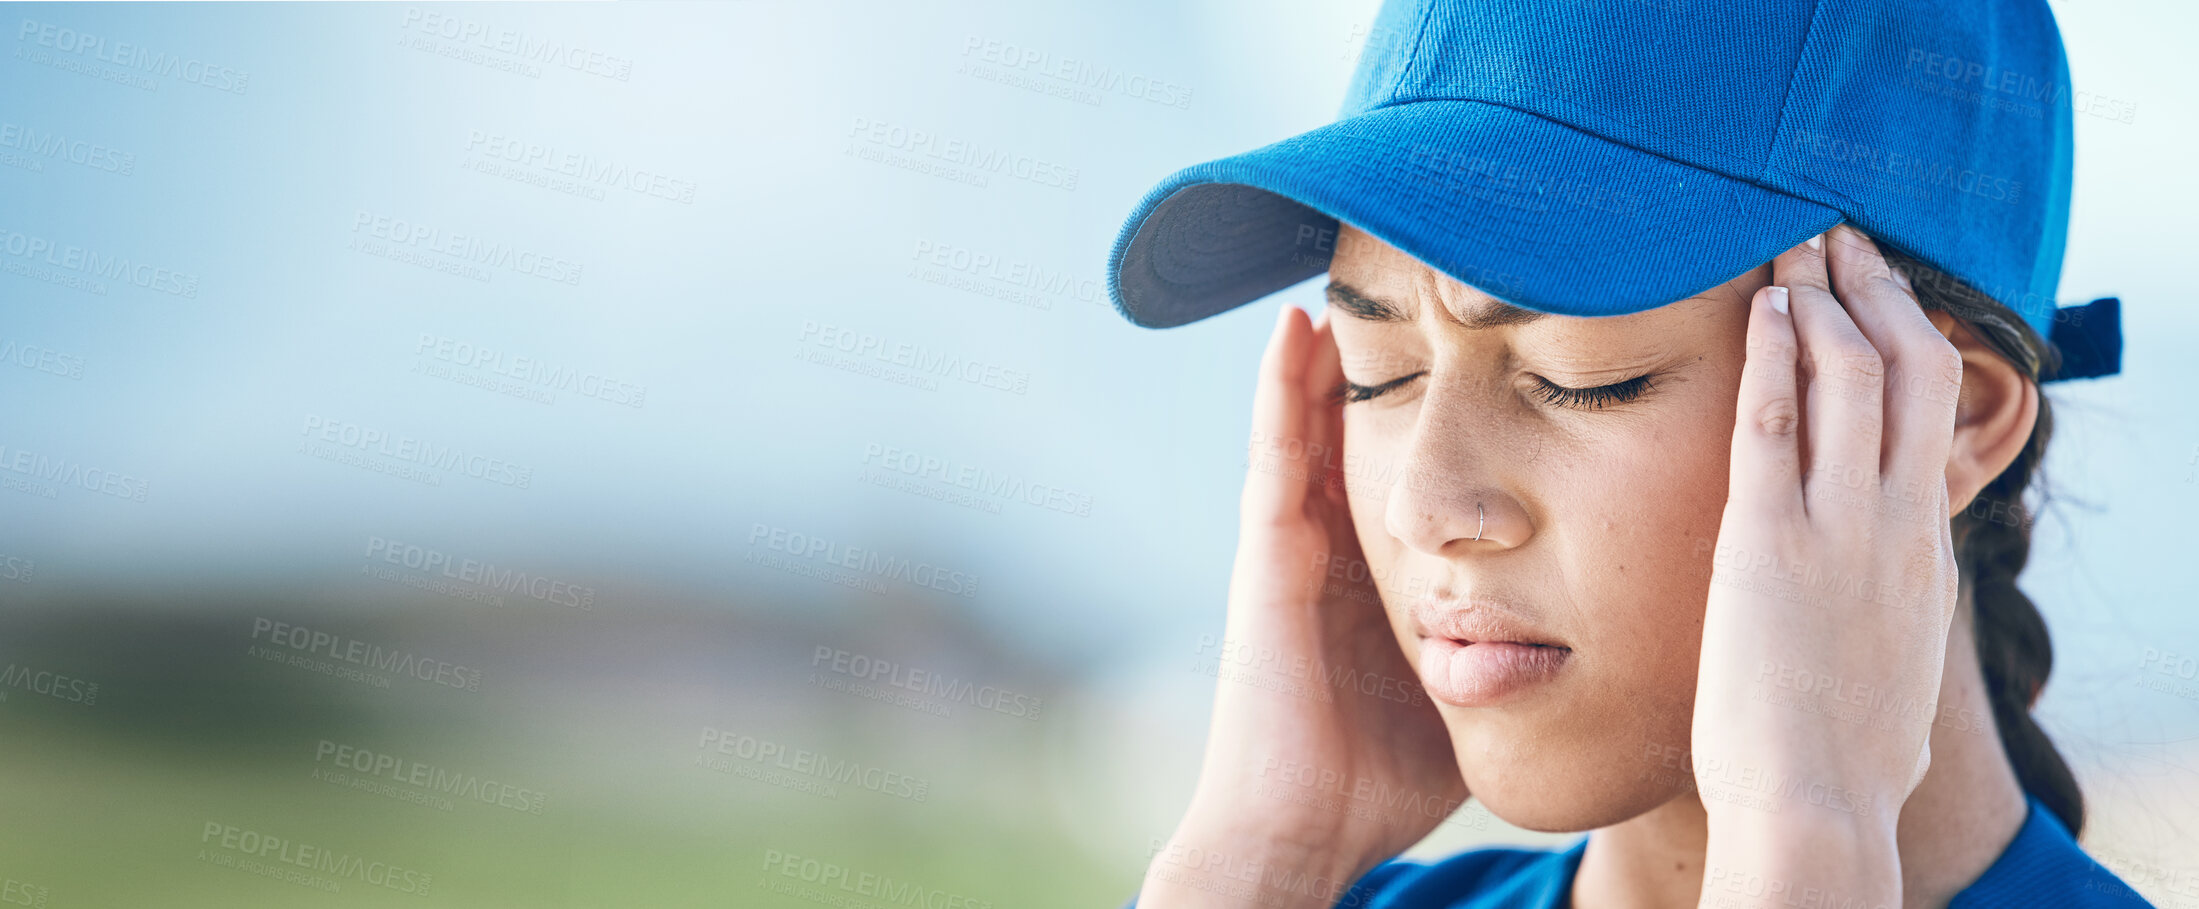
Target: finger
{"points": [[1274, 485], [1923, 370], [1324, 412], [1843, 378], [1766, 467]]}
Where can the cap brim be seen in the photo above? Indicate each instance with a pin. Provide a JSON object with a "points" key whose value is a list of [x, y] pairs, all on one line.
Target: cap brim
{"points": [[1526, 209]]}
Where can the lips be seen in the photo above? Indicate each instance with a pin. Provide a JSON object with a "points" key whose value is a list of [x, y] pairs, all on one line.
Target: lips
{"points": [[1477, 653]]}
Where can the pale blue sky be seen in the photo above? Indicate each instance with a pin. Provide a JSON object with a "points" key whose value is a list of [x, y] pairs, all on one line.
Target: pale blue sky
{"points": [[798, 236]]}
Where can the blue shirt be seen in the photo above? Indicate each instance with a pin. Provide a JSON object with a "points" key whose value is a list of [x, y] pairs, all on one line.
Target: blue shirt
{"points": [[2041, 867]]}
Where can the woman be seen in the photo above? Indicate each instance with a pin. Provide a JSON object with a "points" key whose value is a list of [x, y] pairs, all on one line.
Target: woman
{"points": [[1706, 551]]}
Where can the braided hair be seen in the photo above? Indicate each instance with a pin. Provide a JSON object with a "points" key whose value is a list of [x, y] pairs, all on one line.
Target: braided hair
{"points": [[1993, 540]]}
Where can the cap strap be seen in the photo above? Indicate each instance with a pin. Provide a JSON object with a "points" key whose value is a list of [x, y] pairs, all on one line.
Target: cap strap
{"points": [[2090, 338]]}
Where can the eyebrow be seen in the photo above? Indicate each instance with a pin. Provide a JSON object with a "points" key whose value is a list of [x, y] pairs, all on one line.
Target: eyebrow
{"points": [[1490, 314]]}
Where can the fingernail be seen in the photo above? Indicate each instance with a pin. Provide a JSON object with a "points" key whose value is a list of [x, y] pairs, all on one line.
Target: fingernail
{"points": [[1779, 299], [1902, 278], [1818, 243]]}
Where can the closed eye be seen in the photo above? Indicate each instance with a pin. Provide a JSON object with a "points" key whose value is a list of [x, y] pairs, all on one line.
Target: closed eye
{"points": [[1352, 392], [1596, 398]]}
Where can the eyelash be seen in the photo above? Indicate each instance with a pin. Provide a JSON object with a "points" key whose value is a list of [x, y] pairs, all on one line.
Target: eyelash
{"points": [[1353, 392], [1596, 398]]}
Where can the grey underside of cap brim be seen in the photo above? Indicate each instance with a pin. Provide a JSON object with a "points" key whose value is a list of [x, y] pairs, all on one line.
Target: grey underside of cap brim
{"points": [[1212, 247]]}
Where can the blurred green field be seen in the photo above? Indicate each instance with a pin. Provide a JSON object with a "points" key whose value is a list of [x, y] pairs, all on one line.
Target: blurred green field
{"points": [[109, 803], [638, 730]]}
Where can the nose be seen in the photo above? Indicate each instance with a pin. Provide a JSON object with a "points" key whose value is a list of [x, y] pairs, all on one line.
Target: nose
{"points": [[1444, 499]]}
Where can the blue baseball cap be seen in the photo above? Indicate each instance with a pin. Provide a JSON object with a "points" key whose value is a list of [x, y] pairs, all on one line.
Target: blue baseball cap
{"points": [[1611, 156]]}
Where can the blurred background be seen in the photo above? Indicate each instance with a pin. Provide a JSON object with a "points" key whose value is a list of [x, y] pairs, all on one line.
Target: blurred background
{"points": [[460, 454]]}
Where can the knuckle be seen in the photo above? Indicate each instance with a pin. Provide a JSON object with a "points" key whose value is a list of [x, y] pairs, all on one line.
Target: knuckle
{"points": [[1933, 373], [1866, 429], [1882, 281], [1808, 281], [1779, 418], [1860, 363], [1945, 363]]}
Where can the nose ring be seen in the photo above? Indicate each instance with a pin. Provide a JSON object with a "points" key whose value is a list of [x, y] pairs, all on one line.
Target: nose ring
{"points": [[1483, 524]]}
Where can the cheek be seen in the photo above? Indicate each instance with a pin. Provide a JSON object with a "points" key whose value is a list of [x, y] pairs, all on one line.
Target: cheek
{"points": [[1371, 467], [1646, 522], [1659, 493], [1643, 519]]}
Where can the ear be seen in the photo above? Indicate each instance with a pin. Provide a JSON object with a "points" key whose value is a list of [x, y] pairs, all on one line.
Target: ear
{"points": [[1993, 415]]}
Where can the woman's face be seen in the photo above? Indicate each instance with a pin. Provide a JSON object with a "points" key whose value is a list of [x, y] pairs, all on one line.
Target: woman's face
{"points": [[1589, 455]]}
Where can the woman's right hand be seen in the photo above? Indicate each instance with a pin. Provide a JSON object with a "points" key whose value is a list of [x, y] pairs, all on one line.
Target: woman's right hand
{"points": [[1324, 756]]}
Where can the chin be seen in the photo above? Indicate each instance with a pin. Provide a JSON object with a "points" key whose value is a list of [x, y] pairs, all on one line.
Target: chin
{"points": [[1552, 783]]}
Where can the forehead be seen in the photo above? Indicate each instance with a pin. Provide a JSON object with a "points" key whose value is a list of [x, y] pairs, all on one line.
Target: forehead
{"points": [[1374, 281], [1369, 267], [1363, 256]]}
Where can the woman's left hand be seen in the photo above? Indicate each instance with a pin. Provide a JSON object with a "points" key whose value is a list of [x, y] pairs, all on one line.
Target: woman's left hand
{"points": [[1834, 582]]}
